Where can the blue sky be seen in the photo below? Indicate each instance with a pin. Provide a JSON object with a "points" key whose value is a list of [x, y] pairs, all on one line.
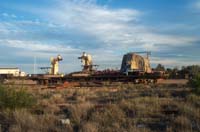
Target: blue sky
{"points": [[107, 29]]}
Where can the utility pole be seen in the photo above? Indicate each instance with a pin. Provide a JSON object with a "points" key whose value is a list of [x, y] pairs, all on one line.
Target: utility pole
{"points": [[34, 66]]}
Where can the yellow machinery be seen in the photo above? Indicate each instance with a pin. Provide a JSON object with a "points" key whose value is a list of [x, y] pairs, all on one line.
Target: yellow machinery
{"points": [[86, 60], [133, 62], [55, 65]]}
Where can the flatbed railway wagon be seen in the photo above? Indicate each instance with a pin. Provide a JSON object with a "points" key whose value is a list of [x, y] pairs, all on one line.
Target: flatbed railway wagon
{"points": [[134, 68]]}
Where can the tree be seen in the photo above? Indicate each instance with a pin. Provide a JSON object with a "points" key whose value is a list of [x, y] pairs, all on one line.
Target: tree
{"points": [[160, 67], [195, 83]]}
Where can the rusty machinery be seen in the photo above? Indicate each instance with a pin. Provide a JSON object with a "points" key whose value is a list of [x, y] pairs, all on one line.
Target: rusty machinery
{"points": [[134, 68]]}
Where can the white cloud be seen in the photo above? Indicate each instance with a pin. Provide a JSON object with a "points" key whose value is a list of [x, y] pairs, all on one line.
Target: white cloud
{"points": [[36, 46], [117, 30], [173, 62], [5, 14], [197, 4], [8, 28], [112, 27], [8, 15]]}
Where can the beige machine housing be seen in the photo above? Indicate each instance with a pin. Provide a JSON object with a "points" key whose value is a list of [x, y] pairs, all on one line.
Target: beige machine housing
{"points": [[55, 65], [133, 62], [86, 60]]}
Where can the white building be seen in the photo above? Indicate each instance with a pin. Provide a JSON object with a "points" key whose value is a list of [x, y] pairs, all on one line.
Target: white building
{"points": [[12, 71]]}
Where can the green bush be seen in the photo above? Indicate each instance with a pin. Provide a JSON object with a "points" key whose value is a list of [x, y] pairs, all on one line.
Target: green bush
{"points": [[11, 98], [195, 83]]}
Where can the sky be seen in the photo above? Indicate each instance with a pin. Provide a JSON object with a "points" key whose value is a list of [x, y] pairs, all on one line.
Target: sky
{"points": [[106, 29]]}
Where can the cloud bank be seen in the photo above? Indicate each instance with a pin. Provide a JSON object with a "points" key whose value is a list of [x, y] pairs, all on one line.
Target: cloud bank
{"points": [[69, 27]]}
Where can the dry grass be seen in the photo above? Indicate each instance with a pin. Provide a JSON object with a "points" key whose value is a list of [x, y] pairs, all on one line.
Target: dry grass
{"points": [[27, 122], [114, 108]]}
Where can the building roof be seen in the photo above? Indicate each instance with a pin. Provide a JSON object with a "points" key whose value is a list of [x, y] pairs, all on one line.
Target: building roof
{"points": [[9, 68]]}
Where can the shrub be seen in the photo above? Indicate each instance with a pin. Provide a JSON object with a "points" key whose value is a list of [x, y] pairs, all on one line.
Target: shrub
{"points": [[24, 121], [108, 118], [89, 127], [12, 99], [182, 123], [195, 83], [194, 99], [77, 113]]}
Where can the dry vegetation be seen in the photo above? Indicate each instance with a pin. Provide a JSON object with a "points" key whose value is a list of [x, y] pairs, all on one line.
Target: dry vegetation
{"points": [[114, 108]]}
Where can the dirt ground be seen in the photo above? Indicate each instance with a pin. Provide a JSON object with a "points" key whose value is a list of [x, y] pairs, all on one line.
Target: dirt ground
{"points": [[173, 81]]}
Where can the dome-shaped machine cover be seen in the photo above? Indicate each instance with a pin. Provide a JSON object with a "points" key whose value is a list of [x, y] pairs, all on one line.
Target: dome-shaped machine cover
{"points": [[134, 62]]}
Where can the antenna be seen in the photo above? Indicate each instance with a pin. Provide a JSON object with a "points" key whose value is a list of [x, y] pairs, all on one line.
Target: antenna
{"points": [[34, 65]]}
